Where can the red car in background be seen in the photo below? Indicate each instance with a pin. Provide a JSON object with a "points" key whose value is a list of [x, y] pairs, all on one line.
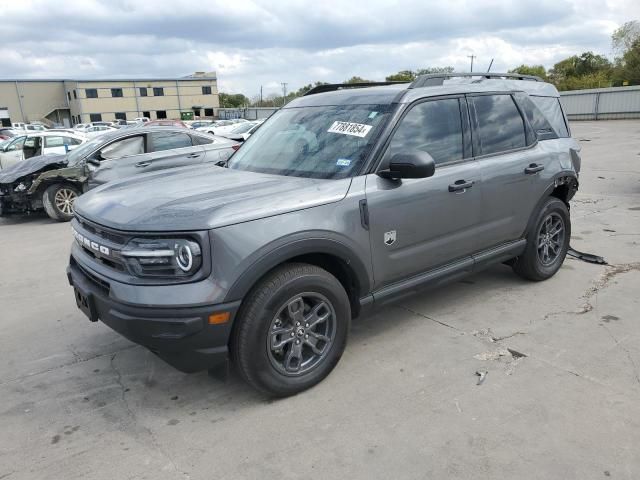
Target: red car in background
{"points": [[165, 123]]}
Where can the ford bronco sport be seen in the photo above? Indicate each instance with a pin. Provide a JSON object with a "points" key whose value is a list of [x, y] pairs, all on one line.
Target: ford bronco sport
{"points": [[345, 199]]}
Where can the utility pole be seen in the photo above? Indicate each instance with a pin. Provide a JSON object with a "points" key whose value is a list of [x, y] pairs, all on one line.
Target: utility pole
{"points": [[260, 95], [284, 93], [471, 57]]}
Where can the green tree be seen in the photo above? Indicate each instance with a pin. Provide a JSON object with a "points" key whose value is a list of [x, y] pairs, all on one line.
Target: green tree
{"points": [[624, 37], [228, 100], [356, 79], [585, 71], [402, 76], [537, 70], [627, 70], [410, 75]]}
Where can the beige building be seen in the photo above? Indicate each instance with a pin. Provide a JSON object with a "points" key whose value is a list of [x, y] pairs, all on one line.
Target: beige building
{"points": [[68, 102]]}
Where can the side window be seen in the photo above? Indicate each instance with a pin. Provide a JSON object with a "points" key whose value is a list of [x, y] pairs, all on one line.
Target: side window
{"points": [[123, 148], [550, 107], [169, 140], [16, 144], [198, 140], [434, 127], [72, 141], [537, 119], [500, 126], [51, 142]]}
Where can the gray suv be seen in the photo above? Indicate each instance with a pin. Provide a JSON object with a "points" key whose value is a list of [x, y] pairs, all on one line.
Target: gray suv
{"points": [[345, 199]]}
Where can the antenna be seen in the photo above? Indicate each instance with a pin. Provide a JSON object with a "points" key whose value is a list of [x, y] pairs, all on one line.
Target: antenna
{"points": [[489, 69]]}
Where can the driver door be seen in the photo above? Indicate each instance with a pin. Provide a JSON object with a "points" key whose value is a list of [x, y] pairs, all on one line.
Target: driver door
{"points": [[417, 225], [119, 159]]}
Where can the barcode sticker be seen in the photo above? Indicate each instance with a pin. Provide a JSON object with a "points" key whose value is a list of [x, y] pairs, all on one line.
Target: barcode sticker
{"points": [[348, 128]]}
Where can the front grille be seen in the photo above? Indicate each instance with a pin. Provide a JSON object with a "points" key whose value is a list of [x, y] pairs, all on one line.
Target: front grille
{"points": [[101, 244], [97, 281]]}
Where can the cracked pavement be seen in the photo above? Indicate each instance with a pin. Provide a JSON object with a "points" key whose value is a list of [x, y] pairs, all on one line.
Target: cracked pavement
{"points": [[561, 397]]}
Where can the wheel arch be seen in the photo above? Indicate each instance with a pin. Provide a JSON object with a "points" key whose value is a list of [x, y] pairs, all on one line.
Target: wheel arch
{"points": [[563, 187], [331, 255]]}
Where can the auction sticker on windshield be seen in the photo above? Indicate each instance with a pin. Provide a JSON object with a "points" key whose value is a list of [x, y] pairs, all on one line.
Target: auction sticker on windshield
{"points": [[348, 128]]}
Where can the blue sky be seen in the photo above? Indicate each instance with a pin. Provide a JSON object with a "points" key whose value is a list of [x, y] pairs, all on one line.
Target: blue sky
{"points": [[253, 43]]}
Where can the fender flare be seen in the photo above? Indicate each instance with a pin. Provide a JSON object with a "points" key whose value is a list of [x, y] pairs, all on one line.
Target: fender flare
{"points": [[322, 243]]}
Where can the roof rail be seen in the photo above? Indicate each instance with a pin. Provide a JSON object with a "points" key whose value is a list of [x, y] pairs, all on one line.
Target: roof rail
{"points": [[332, 87], [434, 79]]}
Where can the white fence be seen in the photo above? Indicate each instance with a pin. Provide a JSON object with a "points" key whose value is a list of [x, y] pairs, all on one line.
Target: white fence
{"points": [[602, 103]]}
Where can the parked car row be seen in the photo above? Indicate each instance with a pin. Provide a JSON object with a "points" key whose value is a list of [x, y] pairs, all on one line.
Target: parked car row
{"points": [[45, 174]]}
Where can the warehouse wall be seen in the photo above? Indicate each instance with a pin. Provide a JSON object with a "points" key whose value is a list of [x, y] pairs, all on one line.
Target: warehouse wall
{"points": [[602, 103]]}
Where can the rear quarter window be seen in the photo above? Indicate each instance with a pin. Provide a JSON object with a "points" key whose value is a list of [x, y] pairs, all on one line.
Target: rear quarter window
{"points": [[550, 107]]}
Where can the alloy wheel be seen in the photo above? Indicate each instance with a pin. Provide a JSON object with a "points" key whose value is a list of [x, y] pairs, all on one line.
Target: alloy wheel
{"points": [[550, 239], [301, 334], [64, 199]]}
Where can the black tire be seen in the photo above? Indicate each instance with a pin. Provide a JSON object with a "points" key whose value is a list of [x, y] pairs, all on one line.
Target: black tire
{"points": [[55, 201], [533, 264], [252, 345]]}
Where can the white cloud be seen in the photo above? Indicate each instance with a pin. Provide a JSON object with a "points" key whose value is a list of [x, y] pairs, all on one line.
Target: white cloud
{"points": [[254, 43]]}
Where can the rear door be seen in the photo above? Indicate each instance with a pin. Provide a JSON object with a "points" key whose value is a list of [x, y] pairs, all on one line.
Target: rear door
{"points": [[57, 144], [121, 158], [420, 224], [510, 160], [172, 149]]}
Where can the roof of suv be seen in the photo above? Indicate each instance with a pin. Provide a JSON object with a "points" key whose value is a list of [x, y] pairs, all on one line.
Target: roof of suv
{"points": [[405, 93]]}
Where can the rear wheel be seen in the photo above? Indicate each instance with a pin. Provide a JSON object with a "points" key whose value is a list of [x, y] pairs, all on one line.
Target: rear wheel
{"points": [[58, 201], [547, 243], [291, 330]]}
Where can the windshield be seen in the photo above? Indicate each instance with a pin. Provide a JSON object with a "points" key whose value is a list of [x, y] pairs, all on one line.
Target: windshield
{"points": [[83, 150], [245, 127], [320, 142]]}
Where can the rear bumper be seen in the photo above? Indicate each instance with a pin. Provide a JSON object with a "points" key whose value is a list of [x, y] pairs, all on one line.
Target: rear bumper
{"points": [[181, 336]]}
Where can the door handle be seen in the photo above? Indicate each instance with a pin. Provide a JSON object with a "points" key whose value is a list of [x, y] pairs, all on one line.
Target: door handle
{"points": [[460, 185], [533, 168], [193, 155], [143, 164]]}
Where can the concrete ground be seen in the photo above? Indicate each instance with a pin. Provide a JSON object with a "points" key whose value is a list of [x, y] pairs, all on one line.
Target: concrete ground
{"points": [[79, 401]]}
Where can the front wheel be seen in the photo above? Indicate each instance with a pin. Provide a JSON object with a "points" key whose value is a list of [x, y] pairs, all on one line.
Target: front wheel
{"points": [[58, 201], [547, 242], [292, 330]]}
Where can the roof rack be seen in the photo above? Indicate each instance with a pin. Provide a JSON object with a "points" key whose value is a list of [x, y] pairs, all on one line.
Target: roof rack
{"points": [[434, 79], [332, 87]]}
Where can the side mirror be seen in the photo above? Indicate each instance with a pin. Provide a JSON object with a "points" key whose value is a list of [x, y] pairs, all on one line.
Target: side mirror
{"points": [[93, 161], [414, 164]]}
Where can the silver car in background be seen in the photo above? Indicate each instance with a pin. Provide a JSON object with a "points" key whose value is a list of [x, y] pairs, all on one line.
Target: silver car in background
{"points": [[53, 182]]}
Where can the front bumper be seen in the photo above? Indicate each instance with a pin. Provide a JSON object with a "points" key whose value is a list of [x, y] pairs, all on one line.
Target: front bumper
{"points": [[19, 202], [180, 336]]}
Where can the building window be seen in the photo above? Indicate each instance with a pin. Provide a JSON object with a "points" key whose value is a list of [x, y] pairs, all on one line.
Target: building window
{"points": [[206, 90], [208, 112], [95, 117], [69, 95], [196, 112], [116, 92], [146, 114], [91, 92], [160, 114], [143, 91], [121, 116], [158, 92], [75, 96]]}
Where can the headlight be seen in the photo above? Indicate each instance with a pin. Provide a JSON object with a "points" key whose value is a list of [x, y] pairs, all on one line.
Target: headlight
{"points": [[165, 257], [22, 187]]}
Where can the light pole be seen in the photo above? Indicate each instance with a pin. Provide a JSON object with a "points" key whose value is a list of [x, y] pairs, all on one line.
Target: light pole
{"points": [[284, 93]]}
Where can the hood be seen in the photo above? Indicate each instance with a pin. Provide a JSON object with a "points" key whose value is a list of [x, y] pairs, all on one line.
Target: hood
{"points": [[201, 198], [29, 166]]}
